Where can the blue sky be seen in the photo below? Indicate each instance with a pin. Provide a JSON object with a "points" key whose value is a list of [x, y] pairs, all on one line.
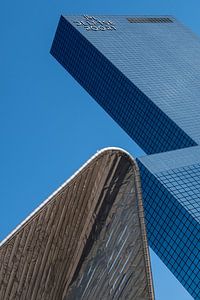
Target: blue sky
{"points": [[49, 126]]}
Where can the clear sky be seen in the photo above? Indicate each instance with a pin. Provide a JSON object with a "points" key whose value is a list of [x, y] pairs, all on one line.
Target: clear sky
{"points": [[49, 126]]}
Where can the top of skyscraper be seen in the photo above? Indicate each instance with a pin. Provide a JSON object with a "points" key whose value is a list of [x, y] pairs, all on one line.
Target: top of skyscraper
{"points": [[159, 56]]}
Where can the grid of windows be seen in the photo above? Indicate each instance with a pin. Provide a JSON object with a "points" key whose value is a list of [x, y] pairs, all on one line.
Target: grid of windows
{"points": [[184, 184], [172, 212], [153, 130], [150, 20], [160, 59]]}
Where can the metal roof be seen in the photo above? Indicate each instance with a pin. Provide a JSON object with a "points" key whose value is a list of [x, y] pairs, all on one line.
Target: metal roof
{"points": [[86, 241]]}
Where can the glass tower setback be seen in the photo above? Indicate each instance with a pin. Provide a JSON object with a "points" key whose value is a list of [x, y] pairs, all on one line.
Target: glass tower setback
{"points": [[145, 73]]}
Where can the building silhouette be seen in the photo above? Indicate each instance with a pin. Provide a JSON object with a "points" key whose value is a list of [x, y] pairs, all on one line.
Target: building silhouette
{"points": [[86, 241], [145, 73]]}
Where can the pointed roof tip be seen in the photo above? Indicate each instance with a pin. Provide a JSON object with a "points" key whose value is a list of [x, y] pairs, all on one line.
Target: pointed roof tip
{"points": [[53, 244]]}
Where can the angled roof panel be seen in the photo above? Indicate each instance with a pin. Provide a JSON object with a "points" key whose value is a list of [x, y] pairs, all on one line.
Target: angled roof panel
{"points": [[86, 241]]}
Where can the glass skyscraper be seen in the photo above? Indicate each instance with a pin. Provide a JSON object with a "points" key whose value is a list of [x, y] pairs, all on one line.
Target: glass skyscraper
{"points": [[145, 73]]}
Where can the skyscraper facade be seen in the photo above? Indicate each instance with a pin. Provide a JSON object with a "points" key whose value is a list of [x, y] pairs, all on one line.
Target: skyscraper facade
{"points": [[145, 73], [86, 241]]}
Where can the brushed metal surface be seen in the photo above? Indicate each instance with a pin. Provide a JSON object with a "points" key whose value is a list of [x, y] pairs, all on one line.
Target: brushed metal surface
{"points": [[88, 241]]}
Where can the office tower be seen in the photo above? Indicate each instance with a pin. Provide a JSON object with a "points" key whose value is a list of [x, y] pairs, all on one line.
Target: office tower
{"points": [[145, 73], [86, 241]]}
